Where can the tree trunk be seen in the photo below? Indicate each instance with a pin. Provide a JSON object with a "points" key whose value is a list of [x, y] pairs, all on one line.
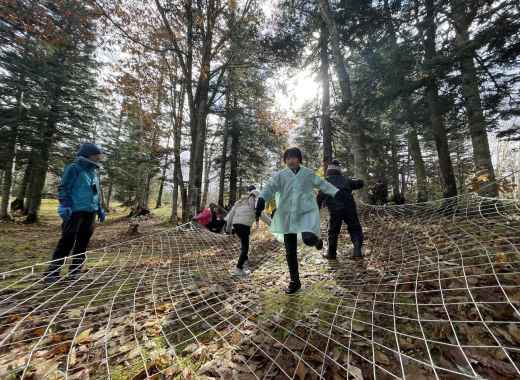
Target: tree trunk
{"points": [[207, 169], [223, 158], [358, 138], [19, 202], [449, 183], [40, 164], [325, 97], [9, 160], [233, 157], [473, 105], [395, 166], [158, 203], [420, 171]]}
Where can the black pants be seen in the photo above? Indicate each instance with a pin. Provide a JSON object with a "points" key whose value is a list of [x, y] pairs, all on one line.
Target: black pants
{"points": [[243, 232], [216, 226], [291, 251], [350, 217], [76, 233]]}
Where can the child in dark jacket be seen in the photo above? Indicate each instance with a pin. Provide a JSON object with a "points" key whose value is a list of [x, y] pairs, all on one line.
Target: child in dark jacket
{"points": [[79, 196], [342, 208]]}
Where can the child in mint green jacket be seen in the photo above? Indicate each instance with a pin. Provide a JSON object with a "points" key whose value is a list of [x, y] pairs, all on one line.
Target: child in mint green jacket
{"points": [[297, 211]]}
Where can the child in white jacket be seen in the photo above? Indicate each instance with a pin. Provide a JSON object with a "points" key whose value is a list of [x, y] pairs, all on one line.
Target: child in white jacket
{"points": [[241, 218]]}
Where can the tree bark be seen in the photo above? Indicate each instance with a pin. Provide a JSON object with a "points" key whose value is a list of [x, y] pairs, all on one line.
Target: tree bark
{"points": [[420, 171], [448, 181], [41, 164], [223, 158], [233, 157], [472, 101], [358, 138], [9, 159], [325, 97], [396, 191]]}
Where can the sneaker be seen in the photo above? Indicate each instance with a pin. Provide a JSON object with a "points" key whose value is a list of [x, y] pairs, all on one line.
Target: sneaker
{"points": [[293, 287], [240, 272], [319, 245]]}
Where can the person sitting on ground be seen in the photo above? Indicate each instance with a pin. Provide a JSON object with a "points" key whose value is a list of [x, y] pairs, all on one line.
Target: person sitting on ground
{"points": [[210, 219], [240, 219], [297, 211], [79, 197], [217, 222], [342, 208]]}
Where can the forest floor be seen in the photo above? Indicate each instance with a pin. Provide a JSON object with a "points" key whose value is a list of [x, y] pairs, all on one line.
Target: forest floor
{"points": [[24, 244], [437, 296]]}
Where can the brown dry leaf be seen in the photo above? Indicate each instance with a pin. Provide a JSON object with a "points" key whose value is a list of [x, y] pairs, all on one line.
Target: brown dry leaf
{"points": [[355, 372], [187, 374], [39, 331], [235, 338], [301, 370], [58, 350], [74, 314], [83, 337], [72, 357], [382, 358], [133, 354]]}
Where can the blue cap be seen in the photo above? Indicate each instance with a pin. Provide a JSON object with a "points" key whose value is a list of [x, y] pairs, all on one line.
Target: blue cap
{"points": [[89, 149]]}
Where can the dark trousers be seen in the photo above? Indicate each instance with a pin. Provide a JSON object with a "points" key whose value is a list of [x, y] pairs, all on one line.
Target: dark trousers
{"points": [[243, 232], [291, 251], [350, 217], [76, 234], [216, 226]]}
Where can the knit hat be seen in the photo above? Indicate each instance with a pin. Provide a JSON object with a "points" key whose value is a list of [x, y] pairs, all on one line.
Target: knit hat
{"points": [[334, 167], [293, 152], [89, 149]]}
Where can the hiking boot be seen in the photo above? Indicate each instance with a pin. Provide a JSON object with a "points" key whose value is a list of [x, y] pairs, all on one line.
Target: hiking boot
{"points": [[241, 272], [51, 279], [319, 245], [293, 287], [357, 253]]}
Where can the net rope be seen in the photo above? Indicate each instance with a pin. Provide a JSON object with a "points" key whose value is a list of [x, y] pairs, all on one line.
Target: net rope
{"points": [[437, 296]]}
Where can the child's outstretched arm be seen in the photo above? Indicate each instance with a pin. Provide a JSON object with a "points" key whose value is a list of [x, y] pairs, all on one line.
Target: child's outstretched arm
{"points": [[325, 186], [267, 194]]}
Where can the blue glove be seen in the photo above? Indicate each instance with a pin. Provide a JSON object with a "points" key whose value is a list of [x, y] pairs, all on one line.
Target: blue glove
{"points": [[101, 215], [64, 212]]}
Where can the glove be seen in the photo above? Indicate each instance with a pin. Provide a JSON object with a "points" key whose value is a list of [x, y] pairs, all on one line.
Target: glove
{"points": [[260, 206], [64, 212], [101, 215]]}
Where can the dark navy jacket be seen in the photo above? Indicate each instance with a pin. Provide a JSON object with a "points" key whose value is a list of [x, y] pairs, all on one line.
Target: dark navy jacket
{"points": [[344, 199]]}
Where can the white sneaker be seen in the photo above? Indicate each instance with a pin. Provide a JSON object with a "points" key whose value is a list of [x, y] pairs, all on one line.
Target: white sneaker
{"points": [[241, 272]]}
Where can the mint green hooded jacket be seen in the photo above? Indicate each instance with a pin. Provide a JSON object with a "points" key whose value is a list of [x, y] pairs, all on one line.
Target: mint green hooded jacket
{"points": [[296, 207]]}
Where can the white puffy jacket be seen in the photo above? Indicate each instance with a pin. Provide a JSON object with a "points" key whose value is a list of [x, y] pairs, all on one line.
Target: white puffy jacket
{"points": [[243, 212]]}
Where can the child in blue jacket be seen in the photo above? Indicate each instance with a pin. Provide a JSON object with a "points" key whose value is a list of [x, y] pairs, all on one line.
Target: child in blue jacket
{"points": [[79, 196]]}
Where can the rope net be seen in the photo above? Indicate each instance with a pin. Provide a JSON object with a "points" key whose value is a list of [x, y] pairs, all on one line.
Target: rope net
{"points": [[437, 296]]}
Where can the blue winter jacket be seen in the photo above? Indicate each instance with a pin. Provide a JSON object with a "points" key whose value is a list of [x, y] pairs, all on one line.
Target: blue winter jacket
{"points": [[79, 188]]}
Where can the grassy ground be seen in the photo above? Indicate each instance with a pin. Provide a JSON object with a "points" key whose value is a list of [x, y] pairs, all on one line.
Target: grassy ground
{"points": [[22, 245]]}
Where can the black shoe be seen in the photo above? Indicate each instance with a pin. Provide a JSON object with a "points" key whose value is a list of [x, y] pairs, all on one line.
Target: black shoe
{"points": [[357, 254], [328, 256], [49, 280], [319, 245], [293, 287]]}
